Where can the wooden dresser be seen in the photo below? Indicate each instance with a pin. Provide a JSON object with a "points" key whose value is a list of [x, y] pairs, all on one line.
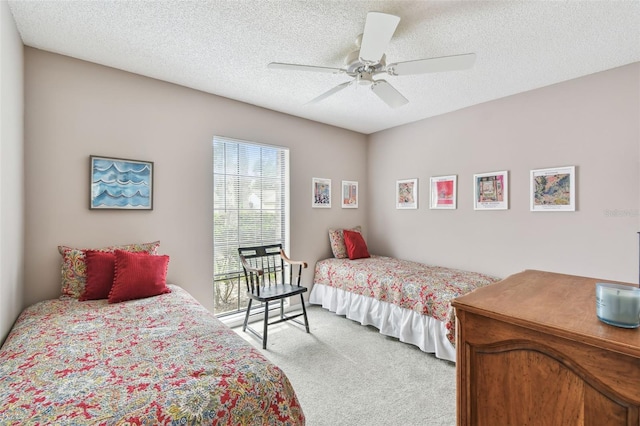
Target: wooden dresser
{"points": [[531, 351]]}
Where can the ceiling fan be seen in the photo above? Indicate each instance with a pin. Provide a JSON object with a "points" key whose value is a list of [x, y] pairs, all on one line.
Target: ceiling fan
{"points": [[369, 60]]}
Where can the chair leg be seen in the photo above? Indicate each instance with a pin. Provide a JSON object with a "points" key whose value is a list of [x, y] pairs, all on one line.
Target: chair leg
{"points": [[266, 323], [304, 311], [246, 317]]}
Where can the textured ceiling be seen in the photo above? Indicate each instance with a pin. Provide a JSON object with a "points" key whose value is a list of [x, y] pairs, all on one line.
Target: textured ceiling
{"points": [[223, 47]]}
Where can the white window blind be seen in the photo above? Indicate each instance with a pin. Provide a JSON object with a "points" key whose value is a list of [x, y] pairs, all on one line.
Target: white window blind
{"points": [[250, 207]]}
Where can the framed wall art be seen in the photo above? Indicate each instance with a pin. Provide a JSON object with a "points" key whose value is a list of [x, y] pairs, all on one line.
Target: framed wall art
{"points": [[491, 191], [553, 189], [443, 192], [321, 193], [349, 194], [120, 184], [407, 194]]}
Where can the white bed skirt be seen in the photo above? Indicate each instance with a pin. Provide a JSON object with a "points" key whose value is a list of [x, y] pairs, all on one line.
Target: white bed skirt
{"points": [[427, 333]]}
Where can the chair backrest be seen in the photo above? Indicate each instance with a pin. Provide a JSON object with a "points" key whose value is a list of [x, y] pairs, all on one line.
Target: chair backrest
{"points": [[263, 266]]}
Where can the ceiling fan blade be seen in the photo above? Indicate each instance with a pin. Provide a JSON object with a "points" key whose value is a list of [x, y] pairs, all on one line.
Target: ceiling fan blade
{"points": [[378, 30], [296, 67], [388, 94], [444, 63], [330, 92]]}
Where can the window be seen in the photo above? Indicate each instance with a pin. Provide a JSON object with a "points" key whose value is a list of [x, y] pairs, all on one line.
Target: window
{"points": [[250, 207]]}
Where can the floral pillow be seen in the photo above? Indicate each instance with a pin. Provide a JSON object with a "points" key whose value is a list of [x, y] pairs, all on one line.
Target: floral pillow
{"points": [[74, 266], [336, 238]]}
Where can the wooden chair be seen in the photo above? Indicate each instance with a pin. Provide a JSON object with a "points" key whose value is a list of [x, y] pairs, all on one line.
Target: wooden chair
{"points": [[264, 271]]}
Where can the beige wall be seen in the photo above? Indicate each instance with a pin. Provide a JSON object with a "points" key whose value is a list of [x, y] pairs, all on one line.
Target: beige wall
{"points": [[11, 171], [592, 123], [75, 109]]}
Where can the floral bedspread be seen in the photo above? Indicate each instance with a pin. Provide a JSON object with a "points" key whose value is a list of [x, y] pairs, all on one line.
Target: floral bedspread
{"points": [[423, 288], [157, 361]]}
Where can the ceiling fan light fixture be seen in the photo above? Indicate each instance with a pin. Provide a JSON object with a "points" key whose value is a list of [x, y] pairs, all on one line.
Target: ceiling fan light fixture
{"points": [[364, 79]]}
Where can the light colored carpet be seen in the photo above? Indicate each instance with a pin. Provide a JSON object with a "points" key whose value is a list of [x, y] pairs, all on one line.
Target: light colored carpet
{"points": [[348, 374]]}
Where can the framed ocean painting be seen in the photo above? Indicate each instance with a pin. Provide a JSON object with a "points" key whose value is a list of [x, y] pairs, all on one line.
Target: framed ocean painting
{"points": [[120, 184]]}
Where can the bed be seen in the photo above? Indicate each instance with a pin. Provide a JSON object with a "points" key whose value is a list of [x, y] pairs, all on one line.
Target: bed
{"points": [[407, 300], [158, 360]]}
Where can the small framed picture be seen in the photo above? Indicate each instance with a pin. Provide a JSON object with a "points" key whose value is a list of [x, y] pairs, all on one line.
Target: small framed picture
{"points": [[443, 192], [120, 184], [407, 194], [321, 193], [491, 191], [553, 189], [349, 194]]}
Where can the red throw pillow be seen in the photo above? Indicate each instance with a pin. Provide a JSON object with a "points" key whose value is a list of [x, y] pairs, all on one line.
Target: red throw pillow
{"points": [[99, 275], [138, 275], [356, 247]]}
